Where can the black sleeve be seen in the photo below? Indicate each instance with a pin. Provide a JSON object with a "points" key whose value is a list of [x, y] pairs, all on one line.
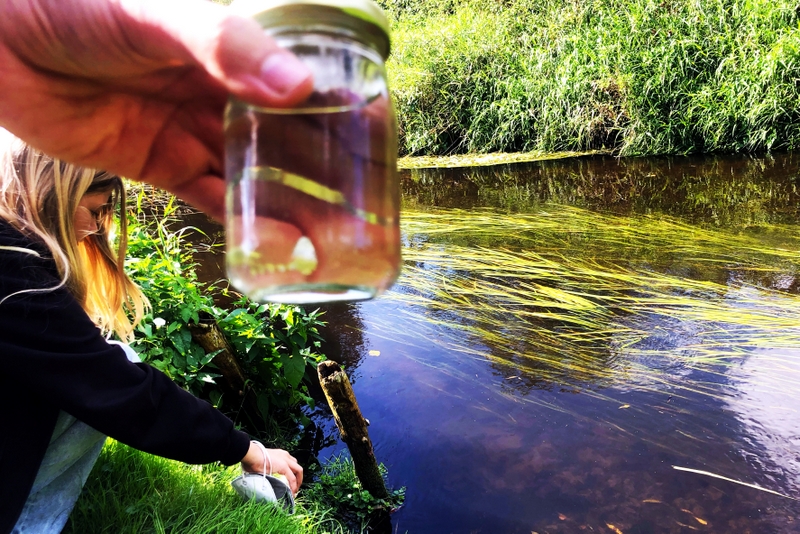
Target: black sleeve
{"points": [[49, 345]]}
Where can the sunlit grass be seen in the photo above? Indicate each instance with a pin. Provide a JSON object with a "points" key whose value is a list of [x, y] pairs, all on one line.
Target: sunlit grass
{"points": [[634, 76], [480, 160], [135, 493], [570, 296]]}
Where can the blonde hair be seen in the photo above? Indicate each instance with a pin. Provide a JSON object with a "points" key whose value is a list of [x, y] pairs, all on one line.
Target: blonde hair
{"points": [[39, 196]]}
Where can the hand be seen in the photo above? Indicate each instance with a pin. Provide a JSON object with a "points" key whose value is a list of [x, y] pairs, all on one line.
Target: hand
{"points": [[282, 462], [138, 87]]}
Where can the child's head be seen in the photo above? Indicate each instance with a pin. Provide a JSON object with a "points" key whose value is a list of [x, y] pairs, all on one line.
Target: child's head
{"points": [[94, 214], [70, 209]]}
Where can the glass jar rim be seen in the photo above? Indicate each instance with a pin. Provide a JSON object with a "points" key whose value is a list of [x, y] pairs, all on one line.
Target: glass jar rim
{"points": [[364, 17]]}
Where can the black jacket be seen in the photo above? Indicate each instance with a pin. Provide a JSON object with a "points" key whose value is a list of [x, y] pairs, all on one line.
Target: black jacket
{"points": [[52, 357]]}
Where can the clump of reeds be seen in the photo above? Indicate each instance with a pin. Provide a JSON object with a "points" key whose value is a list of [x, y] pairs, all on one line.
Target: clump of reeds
{"points": [[634, 76]]}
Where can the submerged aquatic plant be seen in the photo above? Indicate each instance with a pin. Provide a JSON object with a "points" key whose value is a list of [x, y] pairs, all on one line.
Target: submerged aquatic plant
{"points": [[566, 296]]}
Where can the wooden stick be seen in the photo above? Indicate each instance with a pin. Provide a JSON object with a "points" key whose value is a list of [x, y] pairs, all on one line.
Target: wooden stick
{"points": [[234, 382], [352, 426]]}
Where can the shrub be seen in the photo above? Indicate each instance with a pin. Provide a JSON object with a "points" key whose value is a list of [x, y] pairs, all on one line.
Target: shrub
{"points": [[275, 344]]}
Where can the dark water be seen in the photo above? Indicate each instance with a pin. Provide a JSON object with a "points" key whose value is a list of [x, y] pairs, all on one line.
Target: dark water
{"points": [[498, 432]]}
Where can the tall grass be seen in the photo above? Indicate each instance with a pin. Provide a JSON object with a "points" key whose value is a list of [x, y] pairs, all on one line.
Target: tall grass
{"points": [[133, 492], [634, 76]]}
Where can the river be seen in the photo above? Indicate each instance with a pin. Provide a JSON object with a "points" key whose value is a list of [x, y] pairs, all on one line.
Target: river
{"points": [[588, 345]]}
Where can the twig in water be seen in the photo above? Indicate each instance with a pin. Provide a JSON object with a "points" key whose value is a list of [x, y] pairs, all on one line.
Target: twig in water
{"points": [[713, 475]]}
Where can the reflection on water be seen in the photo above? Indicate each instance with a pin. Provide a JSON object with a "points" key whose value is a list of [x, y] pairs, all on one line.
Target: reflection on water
{"points": [[765, 404], [544, 363], [713, 190]]}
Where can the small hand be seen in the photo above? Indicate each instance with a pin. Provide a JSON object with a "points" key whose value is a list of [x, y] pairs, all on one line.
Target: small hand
{"points": [[282, 462]]}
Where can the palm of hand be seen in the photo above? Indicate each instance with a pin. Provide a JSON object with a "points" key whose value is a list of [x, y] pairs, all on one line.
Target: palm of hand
{"points": [[127, 88]]}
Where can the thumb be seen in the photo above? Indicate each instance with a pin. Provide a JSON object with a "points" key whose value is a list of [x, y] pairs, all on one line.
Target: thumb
{"points": [[233, 49]]}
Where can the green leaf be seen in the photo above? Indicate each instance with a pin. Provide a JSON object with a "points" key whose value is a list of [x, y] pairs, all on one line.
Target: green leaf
{"points": [[294, 367], [235, 313], [280, 336], [147, 330], [159, 364], [177, 342], [209, 356], [262, 401], [186, 335], [216, 398]]}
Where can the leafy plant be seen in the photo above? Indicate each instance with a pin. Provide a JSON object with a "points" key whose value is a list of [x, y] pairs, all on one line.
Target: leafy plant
{"points": [[337, 487], [276, 345], [164, 271]]}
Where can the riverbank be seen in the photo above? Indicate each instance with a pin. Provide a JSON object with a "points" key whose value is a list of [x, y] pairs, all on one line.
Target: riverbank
{"points": [[125, 490], [634, 77]]}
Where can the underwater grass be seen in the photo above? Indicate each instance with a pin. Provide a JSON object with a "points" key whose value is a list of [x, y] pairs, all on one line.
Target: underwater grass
{"points": [[638, 77], [566, 296], [133, 492]]}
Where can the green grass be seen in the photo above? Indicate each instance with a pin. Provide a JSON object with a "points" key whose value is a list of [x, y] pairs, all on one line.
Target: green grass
{"points": [[133, 492], [637, 77]]}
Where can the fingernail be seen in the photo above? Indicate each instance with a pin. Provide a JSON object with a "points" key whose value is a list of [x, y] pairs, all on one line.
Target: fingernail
{"points": [[283, 72]]}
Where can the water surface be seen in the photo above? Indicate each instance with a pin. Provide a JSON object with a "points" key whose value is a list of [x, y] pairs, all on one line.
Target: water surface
{"points": [[511, 394]]}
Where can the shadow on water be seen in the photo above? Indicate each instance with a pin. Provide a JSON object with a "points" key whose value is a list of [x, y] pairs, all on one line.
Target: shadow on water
{"points": [[565, 333]]}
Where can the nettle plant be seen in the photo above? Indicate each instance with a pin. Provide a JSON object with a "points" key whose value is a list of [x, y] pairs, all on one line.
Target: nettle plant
{"points": [[276, 345]]}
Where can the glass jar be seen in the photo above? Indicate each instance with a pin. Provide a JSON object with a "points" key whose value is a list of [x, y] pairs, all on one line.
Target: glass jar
{"points": [[313, 200]]}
